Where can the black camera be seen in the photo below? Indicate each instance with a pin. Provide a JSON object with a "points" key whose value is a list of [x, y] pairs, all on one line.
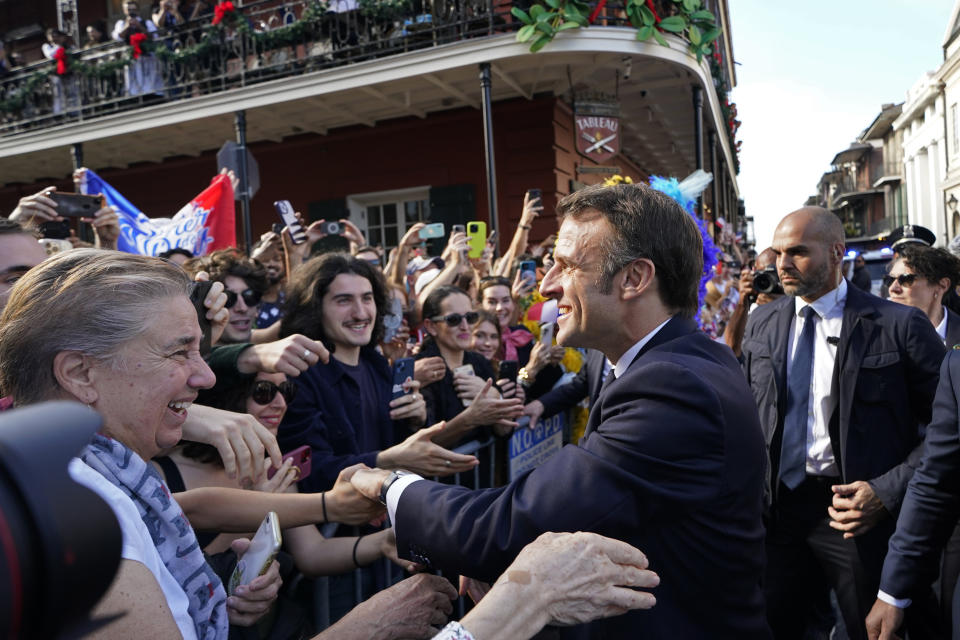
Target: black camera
{"points": [[61, 543], [767, 281], [332, 228]]}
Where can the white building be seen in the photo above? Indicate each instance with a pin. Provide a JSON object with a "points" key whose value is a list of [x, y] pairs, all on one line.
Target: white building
{"points": [[924, 155], [948, 75]]}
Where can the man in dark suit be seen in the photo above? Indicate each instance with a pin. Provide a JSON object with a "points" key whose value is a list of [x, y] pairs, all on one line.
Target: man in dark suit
{"points": [[922, 276], [672, 460], [930, 512], [843, 381]]}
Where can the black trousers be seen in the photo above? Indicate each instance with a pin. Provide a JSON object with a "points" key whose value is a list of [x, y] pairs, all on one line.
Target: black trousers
{"points": [[806, 558]]}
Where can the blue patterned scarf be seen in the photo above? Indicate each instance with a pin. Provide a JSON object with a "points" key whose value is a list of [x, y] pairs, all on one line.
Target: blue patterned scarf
{"points": [[171, 533]]}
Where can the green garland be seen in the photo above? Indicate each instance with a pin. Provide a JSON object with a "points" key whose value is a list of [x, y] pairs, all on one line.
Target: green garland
{"points": [[211, 39], [689, 20]]}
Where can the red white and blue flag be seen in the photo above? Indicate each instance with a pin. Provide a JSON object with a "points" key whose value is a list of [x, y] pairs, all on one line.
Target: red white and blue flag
{"points": [[205, 224]]}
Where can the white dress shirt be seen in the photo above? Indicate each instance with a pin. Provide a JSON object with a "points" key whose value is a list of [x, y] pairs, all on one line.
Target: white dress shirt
{"points": [[621, 366], [942, 327], [829, 319]]}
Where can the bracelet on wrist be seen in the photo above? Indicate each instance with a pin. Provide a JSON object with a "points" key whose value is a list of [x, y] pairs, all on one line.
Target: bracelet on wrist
{"points": [[525, 227], [356, 544], [323, 503]]}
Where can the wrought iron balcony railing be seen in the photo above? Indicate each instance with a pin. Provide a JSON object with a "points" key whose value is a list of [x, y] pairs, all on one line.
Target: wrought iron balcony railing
{"points": [[270, 39]]}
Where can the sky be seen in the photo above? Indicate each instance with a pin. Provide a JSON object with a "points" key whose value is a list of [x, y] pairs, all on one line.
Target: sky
{"points": [[810, 77]]}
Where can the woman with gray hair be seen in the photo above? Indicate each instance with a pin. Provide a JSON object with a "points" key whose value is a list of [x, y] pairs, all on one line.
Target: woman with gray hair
{"points": [[118, 333]]}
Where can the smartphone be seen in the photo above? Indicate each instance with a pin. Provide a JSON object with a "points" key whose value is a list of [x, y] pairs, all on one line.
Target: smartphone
{"points": [[509, 370], [534, 194], [332, 228], [546, 332], [261, 552], [289, 217], [402, 371], [476, 238], [301, 460], [76, 205], [528, 270], [198, 294], [458, 227], [466, 369], [392, 320], [56, 230], [433, 230]]}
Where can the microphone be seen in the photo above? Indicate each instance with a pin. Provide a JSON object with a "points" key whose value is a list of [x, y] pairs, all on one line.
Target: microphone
{"points": [[834, 340]]}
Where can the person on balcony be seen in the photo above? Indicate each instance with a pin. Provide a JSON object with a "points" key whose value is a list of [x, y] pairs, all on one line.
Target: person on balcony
{"points": [[143, 76]]}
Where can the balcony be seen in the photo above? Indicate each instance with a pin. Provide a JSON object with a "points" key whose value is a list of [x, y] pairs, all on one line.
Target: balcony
{"points": [[282, 40], [353, 69]]}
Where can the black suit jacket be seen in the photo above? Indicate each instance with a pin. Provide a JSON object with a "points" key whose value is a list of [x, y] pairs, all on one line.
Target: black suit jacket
{"points": [[885, 377], [953, 329], [585, 384], [674, 465], [931, 507]]}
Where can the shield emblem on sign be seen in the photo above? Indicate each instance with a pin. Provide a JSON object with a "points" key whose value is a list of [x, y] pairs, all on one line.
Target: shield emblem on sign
{"points": [[598, 137]]}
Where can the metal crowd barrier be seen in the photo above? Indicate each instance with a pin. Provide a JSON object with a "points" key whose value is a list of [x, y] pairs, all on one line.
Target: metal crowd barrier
{"points": [[321, 586]]}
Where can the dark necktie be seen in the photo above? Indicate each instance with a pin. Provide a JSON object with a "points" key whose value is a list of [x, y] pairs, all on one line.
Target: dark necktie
{"points": [[607, 381], [793, 451]]}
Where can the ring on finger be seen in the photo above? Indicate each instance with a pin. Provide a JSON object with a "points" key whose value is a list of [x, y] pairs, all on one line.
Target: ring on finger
{"points": [[446, 463], [306, 353]]}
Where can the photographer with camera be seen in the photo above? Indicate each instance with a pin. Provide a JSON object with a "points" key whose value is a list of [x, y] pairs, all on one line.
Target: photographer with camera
{"points": [[758, 285]]}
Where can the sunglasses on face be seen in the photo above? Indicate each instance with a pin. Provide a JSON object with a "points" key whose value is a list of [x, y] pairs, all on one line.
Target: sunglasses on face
{"points": [[251, 298], [905, 279], [265, 391], [454, 319]]}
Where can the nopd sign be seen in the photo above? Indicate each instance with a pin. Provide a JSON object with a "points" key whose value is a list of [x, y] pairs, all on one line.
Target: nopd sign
{"points": [[530, 448]]}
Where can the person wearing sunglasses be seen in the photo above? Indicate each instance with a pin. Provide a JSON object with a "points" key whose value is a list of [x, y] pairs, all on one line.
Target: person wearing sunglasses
{"points": [[464, 399], [921, 277], [192, 465], [244, 282]]}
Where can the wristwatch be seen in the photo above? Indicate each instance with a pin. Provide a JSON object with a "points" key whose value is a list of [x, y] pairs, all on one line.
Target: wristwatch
{"points": [[523, 375], [393, 477]]}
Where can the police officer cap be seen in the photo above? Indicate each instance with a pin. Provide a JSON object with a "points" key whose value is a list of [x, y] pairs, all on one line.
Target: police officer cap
{"points": [[911, 233]]}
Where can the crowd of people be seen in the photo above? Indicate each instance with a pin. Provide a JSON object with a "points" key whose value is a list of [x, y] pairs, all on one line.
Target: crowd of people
{"points": [[750, 464]]}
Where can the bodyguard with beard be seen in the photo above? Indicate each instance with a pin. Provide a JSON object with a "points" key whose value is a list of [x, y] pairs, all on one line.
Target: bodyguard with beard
{"points": [[843, 380]]}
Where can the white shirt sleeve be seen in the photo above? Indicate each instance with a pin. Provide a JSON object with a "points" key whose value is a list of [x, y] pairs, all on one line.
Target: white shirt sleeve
{"points": [[889, 599], [394, 492]]}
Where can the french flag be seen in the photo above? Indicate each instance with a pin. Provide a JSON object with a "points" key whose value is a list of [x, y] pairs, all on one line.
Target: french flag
{"points": [[204, 224]]}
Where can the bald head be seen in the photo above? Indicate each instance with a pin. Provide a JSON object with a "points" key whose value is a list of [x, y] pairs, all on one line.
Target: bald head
{"points": [[766, 258], [809, 245], [817, 224]]}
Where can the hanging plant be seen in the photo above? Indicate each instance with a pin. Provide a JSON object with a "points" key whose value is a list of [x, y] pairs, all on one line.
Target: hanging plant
{"points": [[689, 20]]}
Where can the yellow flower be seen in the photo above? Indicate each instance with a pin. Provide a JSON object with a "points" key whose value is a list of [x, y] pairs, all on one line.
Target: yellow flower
{"points": [[572, 360]]}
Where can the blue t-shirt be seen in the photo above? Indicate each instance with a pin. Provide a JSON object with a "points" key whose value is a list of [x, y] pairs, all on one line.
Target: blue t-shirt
{"points": [[270, 312]]}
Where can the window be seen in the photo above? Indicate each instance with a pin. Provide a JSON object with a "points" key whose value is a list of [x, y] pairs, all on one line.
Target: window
{"points": [[956, 127], [386, 215]]}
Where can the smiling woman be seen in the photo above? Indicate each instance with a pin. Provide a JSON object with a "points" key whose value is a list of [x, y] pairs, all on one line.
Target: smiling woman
{"points": [[85, 326]]}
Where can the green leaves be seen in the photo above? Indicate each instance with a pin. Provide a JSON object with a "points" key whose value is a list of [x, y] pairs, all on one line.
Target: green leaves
{"points": [[690, 21]]}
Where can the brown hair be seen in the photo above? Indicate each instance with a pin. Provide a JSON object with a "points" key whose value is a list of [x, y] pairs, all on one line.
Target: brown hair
{"points": [[646, 224]]}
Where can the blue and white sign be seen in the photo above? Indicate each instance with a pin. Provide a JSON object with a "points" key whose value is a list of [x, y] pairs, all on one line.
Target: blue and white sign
{"points": [[529, 448]]}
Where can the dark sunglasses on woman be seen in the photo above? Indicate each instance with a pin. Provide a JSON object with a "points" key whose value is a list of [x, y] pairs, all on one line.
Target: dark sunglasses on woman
{"points": [[265, 391], [251, 298], [454, 319], [905, 279]]}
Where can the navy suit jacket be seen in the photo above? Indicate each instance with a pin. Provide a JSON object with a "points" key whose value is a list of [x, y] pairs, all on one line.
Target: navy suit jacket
{"points": [[673, 464], [326, 414], [885, 376], [585, 384], [931, 507]]}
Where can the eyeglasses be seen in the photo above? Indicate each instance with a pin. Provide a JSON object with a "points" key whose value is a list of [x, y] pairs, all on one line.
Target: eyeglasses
{"points": [[454, 319], [265, 391], [251, 298], [905, 279]]}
